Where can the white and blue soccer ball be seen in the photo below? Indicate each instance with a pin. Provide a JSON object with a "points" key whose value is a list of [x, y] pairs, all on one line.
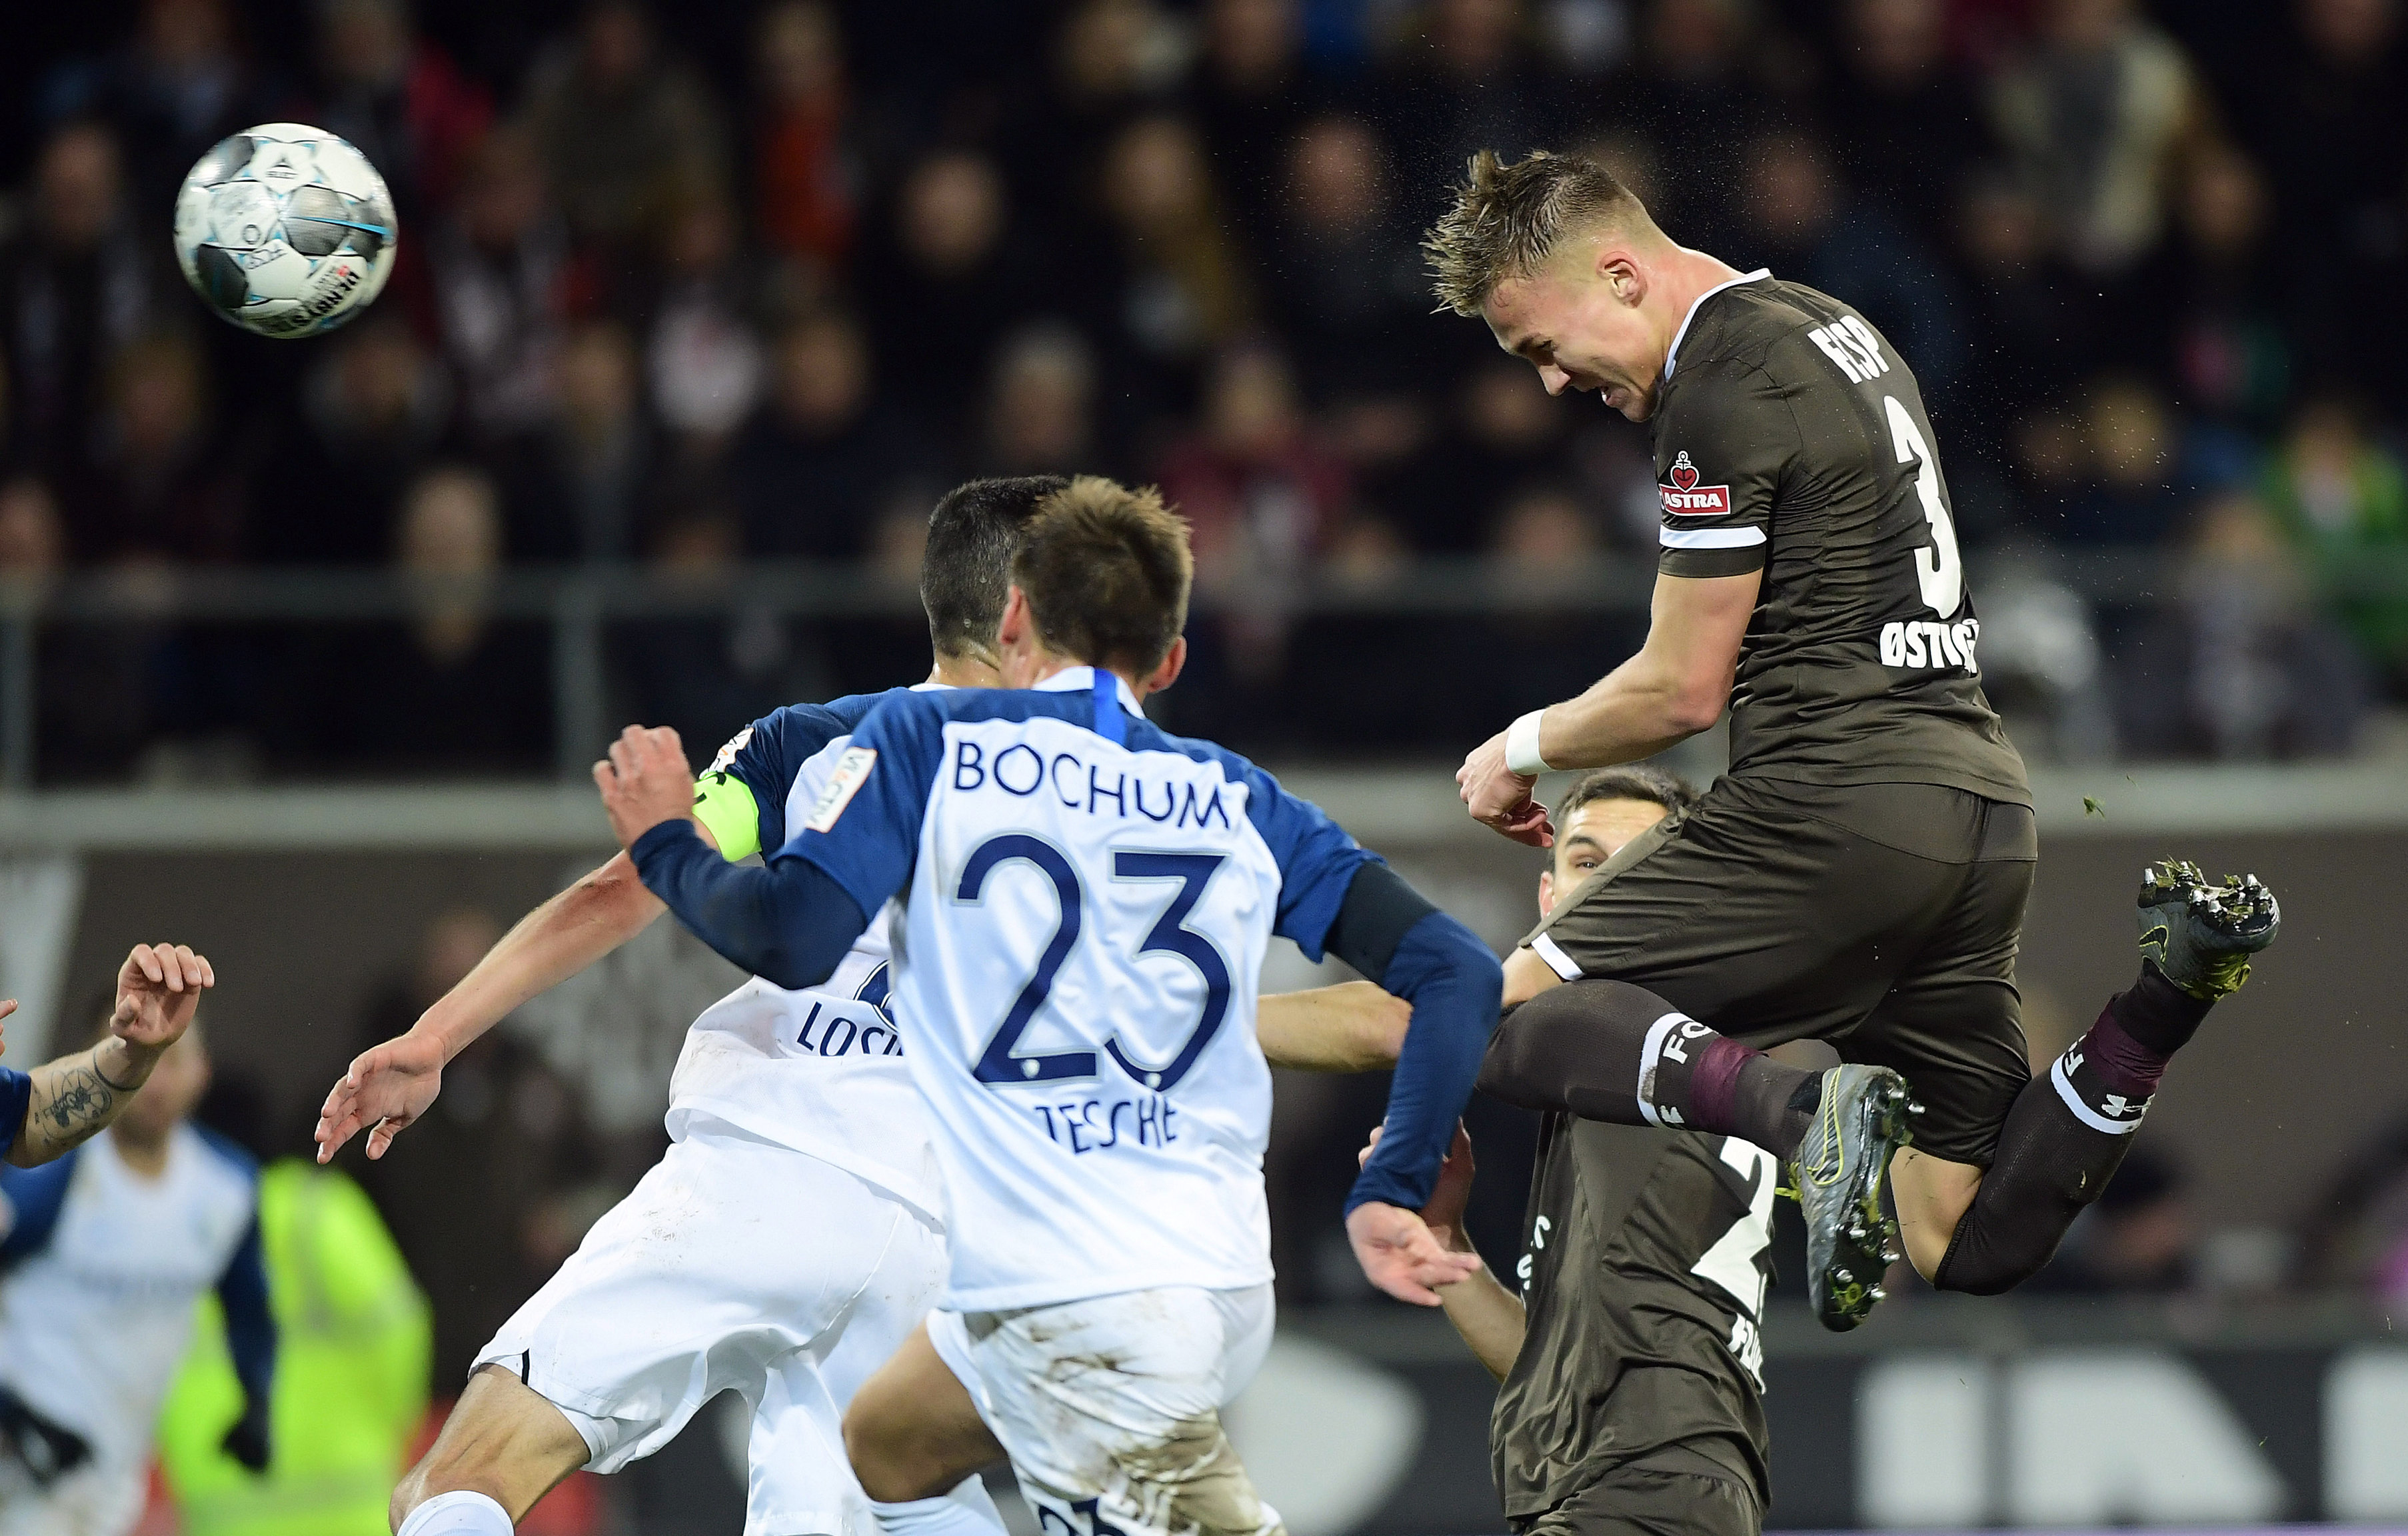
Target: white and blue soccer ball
{"points": [[285, 230]]}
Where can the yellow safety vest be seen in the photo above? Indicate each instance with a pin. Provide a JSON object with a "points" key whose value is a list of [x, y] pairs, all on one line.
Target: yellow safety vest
{"points": [[354, 1352]]}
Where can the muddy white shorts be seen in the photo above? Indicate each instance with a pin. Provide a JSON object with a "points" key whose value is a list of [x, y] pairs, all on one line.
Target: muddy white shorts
{"points": [[1110, 1406], [734, 1263]]}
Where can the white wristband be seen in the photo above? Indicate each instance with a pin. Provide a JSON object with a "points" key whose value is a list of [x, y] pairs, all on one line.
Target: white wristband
{"points": [[1522, 746]]}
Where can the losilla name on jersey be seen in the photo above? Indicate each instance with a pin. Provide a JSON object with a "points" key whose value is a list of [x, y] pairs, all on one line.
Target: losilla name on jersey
{"points": [[1686, 497]]}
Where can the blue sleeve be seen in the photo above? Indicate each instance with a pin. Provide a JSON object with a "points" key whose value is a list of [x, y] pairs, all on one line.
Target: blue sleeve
{"points": [[1455, 986], [249, 1326], [791, 921], [786, 922], [865, 831], [35, 1197], [16, 1096], [742, 796], [1317, 860]]}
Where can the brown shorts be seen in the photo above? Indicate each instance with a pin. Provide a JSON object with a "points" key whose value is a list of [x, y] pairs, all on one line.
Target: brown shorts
{"points": [[1881, 918], [1660, 1495]]}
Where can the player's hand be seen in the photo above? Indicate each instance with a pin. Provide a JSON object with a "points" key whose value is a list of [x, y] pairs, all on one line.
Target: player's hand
{"points": [[7, 1006], [158, 989], [1443, 1215], [644, 781], [1401, 1256], [248, 1441], [387, 1088], [1500, 797]]}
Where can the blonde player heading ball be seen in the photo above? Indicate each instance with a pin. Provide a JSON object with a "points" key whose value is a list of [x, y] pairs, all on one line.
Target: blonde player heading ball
{"points": [[1085, 904]]}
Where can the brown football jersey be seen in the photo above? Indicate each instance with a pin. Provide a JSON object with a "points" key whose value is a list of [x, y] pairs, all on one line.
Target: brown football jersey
{"points": [[1791, 438]]}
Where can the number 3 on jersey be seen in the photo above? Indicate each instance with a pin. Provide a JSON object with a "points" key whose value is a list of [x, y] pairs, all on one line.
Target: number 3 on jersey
{"points": [[999, 1063], [1938, 570]]}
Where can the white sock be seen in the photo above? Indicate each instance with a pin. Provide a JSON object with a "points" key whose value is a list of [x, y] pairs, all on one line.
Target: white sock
{"points": [[461, 1513], [966, 1512]]}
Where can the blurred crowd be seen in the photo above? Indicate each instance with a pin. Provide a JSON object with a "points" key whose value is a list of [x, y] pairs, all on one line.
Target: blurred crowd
{"points": [[682, 287]]}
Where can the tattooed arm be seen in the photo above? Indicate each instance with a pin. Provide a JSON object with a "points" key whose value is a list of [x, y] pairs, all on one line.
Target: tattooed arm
{"points": [[157, 990]]}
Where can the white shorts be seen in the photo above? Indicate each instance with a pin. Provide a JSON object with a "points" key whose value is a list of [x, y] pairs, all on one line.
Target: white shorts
{"points": [[734, 1263], [1110, 1406]]}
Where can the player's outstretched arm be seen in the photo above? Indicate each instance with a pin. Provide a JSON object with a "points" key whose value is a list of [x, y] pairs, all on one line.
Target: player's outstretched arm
{"points": [[1491, 1319], [76, 1096], [1673, 688], [1354, 1026], [389, 1085], [1393, 935], [786, 922]]}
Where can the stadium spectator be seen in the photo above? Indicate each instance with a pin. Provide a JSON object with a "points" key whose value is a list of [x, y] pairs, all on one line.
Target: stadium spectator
{"points": [[2328, 108], [92, 707], [375, 410], [1173, 285], [1263, 495], [1248, 97], [1700, 94], [1350, 285], [178, 86], [2217, 334], [166, 484], [801, 164], [1808, 229], [1111, 60], [622, 130], [354, 1336], [702, 355], [1040, 411], [507, 284], [578, 487], [2132, 488], [1467, 73], [2239, 666], [816, 463], [2342, 502], [73, 292], [1502, 435], [399, 98], [1896, 85], [458, 691], [2094, 114], [948, 281]]}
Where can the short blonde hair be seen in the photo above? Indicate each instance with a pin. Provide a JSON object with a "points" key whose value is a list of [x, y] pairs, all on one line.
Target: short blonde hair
{"points": [[1106, 571], [1507, 219]]}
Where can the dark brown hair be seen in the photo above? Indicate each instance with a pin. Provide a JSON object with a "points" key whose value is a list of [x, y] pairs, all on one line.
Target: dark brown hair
{"points": [[966, 573], [1107, 572], [1507, 219], [1630, 781]]}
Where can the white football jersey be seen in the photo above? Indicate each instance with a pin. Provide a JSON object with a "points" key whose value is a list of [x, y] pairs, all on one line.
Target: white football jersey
{"points": [[103, 1267], [819, 1070], [1087, 902]]}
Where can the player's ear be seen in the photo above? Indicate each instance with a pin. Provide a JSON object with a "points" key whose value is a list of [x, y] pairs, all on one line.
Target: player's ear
{"points": [[1173, 663], [1620, 272], [1546, 892], [1016, 623]]}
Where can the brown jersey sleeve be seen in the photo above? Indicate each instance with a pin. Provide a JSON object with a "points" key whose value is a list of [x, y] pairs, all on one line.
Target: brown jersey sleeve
{"points": [[1725, 442]]}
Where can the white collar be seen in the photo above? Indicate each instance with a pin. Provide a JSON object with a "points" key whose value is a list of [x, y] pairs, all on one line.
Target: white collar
{"points": [[930, 686], [1674, 351], [1072, 679]]}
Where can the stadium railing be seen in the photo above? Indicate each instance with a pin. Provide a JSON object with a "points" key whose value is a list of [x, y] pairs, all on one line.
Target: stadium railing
{"points": [[578, 605]]}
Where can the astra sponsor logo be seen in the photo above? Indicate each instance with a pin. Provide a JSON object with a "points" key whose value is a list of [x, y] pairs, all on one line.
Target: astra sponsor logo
{"points": [[1686, 497], [1927, 646]]}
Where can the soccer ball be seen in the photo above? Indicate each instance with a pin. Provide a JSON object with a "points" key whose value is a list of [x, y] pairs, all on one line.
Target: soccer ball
{"points": [[285, 230]]}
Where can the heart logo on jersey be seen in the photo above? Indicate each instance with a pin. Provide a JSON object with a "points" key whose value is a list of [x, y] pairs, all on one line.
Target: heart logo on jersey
{"points": [[1684, 474]]}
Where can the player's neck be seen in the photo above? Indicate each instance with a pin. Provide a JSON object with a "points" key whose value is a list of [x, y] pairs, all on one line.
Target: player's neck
{"points": [[965, 671], [1689, 276], [1045, 664], [143, 1157]]}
